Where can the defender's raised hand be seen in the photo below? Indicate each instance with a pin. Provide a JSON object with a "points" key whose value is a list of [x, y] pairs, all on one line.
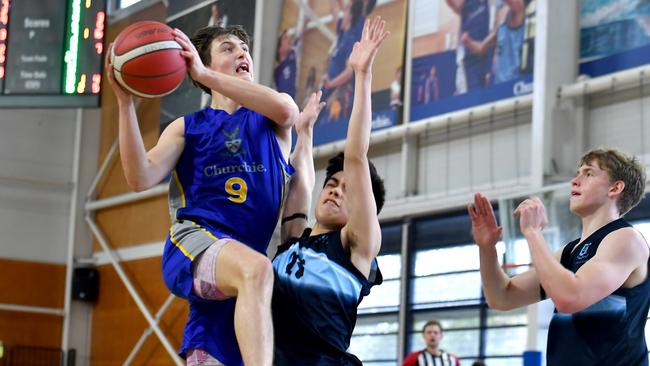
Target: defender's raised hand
{"points": [[307, 118], [364, 51], [485, 231]]}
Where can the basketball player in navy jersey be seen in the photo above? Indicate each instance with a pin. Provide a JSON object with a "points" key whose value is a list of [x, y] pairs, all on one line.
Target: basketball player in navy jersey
{"points": [[472, 69], [229, 167], [598, 282], [323, 273]]}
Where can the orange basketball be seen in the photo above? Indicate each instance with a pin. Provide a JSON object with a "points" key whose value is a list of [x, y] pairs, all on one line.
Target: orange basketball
{"points": [[147, 59]]}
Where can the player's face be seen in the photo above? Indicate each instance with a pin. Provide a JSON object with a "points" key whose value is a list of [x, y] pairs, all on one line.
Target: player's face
{"points": [[286, 42], [432, 336], [332, 209], [589, 189], [230, 55]]}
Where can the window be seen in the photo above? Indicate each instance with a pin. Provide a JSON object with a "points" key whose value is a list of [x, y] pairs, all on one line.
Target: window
{"points": [[446, 285], [374, 340], [506, 336], [461, 334], [375, 337]]}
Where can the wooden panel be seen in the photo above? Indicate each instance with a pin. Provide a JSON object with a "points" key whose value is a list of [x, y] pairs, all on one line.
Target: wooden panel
{"points": [[142, 222], [29, 329], [31, 283], [118, 323]]}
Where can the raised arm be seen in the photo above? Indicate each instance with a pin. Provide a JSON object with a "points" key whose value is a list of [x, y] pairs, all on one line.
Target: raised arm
{"points": [[294, 219], [279, 107], [501, 291], [362, 234], [143, 169]]}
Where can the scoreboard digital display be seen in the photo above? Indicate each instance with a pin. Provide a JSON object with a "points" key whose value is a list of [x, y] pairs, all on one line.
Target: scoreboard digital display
{"points": [[51, 52]]}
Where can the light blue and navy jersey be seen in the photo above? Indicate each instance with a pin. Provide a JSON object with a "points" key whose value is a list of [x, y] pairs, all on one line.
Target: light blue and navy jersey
{"points": [[609, 332], [316, 293], [231, 177]]}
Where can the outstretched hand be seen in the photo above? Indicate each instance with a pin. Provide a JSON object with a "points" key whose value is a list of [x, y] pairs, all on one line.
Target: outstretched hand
{"points": [[364, 51], [485, 231], [309, 114]]}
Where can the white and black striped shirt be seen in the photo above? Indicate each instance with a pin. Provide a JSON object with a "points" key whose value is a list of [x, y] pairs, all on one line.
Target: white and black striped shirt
{"points": [[426, 358]]}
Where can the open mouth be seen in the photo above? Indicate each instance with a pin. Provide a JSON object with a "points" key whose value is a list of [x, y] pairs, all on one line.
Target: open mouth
{"points": [[242, 68]]}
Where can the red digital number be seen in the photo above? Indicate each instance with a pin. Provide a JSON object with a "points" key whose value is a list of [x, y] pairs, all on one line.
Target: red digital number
{"points": [[99, 26], [97, 82]]}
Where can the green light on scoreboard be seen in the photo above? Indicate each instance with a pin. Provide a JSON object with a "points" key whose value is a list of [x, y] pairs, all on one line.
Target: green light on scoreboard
{"points": [[72, 49]]}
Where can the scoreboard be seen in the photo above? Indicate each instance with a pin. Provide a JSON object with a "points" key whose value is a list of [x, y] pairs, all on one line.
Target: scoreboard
{"points": [[51, 52]]}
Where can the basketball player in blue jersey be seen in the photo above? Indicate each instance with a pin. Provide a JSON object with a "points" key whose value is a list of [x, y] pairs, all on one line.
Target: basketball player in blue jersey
{"points": [[599, 282], [339, 73], [289, 50], [321, 274], [229, 169], [472, 69]]}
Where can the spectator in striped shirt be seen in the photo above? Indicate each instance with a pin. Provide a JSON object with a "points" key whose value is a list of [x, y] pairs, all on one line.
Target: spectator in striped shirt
{"points": [[433, 355]]}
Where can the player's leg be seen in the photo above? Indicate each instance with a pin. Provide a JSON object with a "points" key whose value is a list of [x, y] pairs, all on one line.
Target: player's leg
{"points": [[229, 268]]}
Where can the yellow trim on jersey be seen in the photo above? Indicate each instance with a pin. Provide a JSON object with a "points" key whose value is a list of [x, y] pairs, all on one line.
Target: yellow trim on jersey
{"points": [[212, 236], [180, 187], [179, 245]]}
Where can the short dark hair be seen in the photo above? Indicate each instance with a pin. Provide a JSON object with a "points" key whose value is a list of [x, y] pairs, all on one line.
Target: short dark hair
{"points": [[335, 165], [430, 323], [204, 37], [620, 167]]}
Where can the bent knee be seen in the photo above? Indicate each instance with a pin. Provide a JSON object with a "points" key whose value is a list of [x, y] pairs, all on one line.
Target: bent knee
{"points": [[257, 272]]}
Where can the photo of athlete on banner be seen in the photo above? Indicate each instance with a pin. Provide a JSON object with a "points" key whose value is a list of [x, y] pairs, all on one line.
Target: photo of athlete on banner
{"points": [[470, 52], [314, 43]]}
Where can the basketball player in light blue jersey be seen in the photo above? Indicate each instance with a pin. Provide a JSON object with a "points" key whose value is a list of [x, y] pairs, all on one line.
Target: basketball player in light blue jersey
{"points": [[323, 273], [229, 170]]}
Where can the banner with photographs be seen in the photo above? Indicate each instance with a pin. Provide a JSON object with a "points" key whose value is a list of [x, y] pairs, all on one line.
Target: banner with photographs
{"points": [[614, 35], [470, 52], [316, 38], [190, 16]]}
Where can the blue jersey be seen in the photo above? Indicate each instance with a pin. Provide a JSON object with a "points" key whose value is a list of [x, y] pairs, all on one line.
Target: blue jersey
{"points": [[316, 293], [509, 44], [285, 75], [475, 20], [231, 176], [339, 58], [229, 182], [609, 332]]}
